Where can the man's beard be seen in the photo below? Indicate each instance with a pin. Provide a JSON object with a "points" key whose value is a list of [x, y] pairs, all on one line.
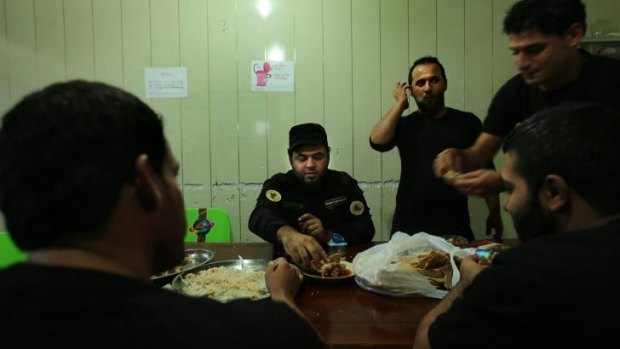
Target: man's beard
{"points": [[313, 183], [532, 220]]}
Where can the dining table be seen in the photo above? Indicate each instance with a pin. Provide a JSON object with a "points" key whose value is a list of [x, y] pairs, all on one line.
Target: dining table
{"points": [[344, 314]]}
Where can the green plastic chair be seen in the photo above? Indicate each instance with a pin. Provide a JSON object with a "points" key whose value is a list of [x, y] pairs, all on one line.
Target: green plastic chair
{"points": [[9, 253], [218, 219]]}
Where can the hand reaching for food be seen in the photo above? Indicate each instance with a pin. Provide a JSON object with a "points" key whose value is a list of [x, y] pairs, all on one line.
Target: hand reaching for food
{"points": [[312, 225], [302, 248]]}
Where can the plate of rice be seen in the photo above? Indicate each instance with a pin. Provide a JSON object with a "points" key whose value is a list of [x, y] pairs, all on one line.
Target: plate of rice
{"points": [[225, 280]]}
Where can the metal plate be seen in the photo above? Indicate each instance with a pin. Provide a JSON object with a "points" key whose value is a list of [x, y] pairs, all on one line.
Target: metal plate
{"points": [[193, 259], [179, 284]]}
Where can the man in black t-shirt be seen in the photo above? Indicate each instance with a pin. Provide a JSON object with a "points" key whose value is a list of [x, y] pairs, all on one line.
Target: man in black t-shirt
{"points": [[558, 288], [425, 203], [544, 36]]}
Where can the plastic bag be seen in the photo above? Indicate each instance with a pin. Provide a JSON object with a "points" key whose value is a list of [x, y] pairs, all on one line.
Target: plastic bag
{"points": [[378, 269]]}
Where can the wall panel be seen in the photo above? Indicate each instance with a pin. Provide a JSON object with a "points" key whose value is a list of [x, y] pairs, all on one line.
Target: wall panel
{"points": [[337, 57], [50, 36], [4, 67], [107, 38], [79, 40], [366, 88], [195, 154]]}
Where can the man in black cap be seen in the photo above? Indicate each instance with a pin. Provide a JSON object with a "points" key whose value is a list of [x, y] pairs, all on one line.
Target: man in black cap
{"points": [[303, 208]]}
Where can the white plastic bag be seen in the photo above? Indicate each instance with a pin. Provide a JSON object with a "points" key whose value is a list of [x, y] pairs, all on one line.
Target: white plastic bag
{"points": [[378, 269]]}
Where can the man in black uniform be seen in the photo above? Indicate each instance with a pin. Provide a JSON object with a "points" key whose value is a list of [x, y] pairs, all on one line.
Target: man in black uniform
{"points": [[558, 288], [303, 208], [88, 189], [545, 36], [424, 202]]}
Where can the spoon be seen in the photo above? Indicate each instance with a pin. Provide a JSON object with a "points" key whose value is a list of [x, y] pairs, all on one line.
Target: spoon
{"points": [[241, 260]]}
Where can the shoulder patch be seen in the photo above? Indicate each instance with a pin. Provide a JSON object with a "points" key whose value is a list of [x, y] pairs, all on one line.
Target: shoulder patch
{"points": [[273, 195], [357, 208]]}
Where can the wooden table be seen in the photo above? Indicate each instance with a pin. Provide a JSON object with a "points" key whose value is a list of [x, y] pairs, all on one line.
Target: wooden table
{"points": [[345, 315]]}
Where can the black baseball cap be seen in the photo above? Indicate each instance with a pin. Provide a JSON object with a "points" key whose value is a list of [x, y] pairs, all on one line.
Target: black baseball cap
{"points": [[307, 134]]}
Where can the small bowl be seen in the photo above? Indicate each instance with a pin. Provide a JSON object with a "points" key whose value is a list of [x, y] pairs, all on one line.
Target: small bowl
{"points": [[193, 259]]}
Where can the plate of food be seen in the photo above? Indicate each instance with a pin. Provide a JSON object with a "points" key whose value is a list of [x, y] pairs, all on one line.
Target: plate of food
{"points": [[193, 258], [225, 280], [335, 268]]}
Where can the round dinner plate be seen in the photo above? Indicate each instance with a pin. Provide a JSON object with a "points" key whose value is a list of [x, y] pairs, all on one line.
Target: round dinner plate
{"points": [[348, 270]]}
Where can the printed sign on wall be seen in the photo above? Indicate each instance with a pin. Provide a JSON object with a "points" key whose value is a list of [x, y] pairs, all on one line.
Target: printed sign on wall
{"points": [[165, 82], [273, 76]]}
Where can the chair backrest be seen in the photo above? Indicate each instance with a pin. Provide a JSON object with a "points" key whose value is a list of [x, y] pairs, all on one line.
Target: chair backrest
{"points": [[9, 253], [218, 219]]}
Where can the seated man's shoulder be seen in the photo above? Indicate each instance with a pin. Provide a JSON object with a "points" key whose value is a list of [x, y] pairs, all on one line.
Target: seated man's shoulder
{"points": [[343, 177], [281, 178]]}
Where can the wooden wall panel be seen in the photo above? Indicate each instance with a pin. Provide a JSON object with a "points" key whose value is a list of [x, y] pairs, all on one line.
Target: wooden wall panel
{"points": [[222, 19], [339, 122], [366, 87], [280, 44], [451, 48], [79, 41], [50, 36], [164, 19], [22, 49], [108, 44], [252, 105], [309, 69], [195, 154], [136, 24], [394, 62], [4, 69]]}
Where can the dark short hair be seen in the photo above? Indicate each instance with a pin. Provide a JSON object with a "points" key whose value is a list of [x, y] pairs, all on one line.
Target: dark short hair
{"points": [[66, 152], [579, 142], [545, 16], [426, 60], [306, 134]]}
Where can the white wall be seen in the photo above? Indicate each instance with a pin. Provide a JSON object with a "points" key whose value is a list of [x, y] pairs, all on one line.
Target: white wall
{"points": [[348, 54]]}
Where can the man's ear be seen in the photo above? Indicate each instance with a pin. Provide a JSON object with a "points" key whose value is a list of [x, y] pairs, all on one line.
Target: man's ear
{"points": [[554, 193], [147, 183], [574, 34]]}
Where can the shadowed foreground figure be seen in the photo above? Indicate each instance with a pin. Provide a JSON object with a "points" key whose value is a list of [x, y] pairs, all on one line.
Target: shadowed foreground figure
{"points": [[88, 188]]}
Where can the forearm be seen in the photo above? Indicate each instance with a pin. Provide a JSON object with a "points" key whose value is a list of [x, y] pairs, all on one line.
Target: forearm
{"points": [[421, 338], [265, 222], [492, 202], [285, 232], [384, 130], [481, 152]]}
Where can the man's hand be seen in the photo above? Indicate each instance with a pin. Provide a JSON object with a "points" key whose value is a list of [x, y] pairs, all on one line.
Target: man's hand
{"points": [[469, 268], [312, 225], [450, 159], [283, 281], [494, 224], [302, 248], [400, 94], [479, 183]]}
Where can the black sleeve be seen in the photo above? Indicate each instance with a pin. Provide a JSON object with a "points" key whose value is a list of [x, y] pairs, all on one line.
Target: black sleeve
{"points": [[506, 108], [357, 225], [268, 216]]}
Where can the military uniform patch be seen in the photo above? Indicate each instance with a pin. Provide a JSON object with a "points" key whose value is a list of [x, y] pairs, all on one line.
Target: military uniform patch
{"points": [[333, 202], [273, 195], [357, 208]]}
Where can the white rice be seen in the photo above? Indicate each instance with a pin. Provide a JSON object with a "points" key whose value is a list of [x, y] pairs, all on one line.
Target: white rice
{"points": [[224, 284]]}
